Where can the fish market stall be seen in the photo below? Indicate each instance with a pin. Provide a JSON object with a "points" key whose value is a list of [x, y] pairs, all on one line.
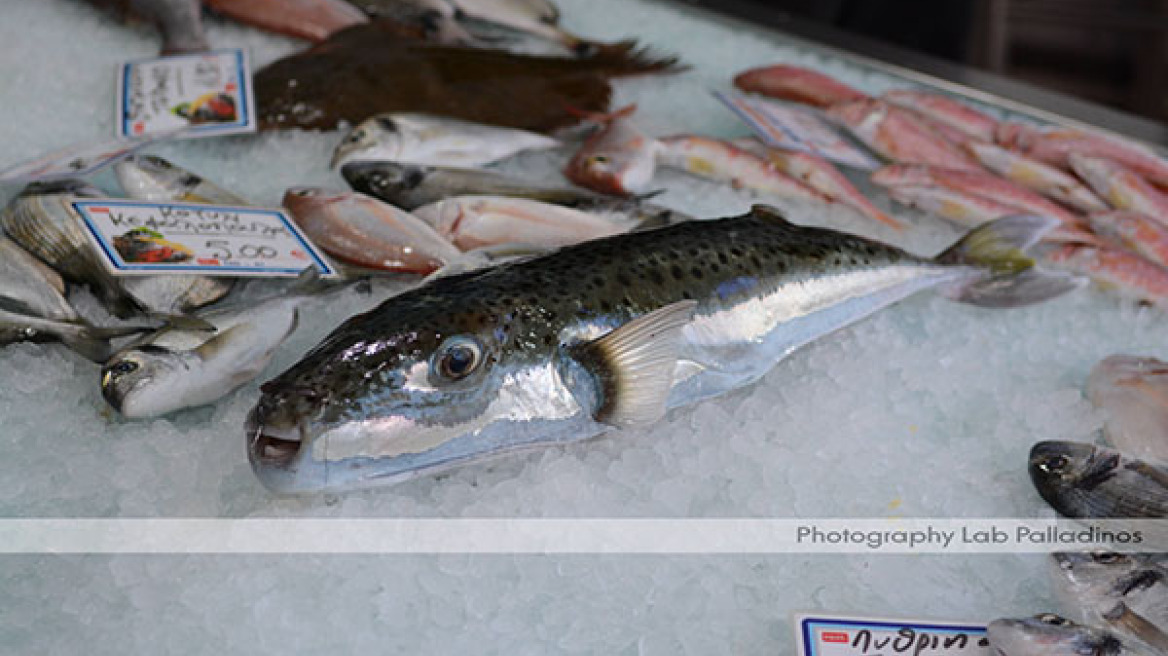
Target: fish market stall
{"points": [[927, 409]]}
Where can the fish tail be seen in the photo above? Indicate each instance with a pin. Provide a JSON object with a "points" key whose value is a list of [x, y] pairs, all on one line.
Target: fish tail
{"points": [[93, 343], [626, 58], [1008, 276]]}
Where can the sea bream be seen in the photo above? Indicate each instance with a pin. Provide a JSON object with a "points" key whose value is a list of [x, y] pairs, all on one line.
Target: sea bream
{"points": [[608, 333], [1084, 480], [1126, 592], [434, 141], [1053, 635]]}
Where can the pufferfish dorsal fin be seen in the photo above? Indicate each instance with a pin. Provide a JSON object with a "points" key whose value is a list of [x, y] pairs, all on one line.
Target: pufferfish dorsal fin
{"points": [[633, 365], [769, 213]]}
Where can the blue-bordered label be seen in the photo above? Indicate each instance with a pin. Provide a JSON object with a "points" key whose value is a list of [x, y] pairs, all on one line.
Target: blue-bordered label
{"points": [[780, 125], [149, 238], [208, 93], [836, 635]]}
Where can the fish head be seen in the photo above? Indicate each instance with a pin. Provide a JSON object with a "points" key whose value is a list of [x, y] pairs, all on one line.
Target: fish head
{"points": [[302, 201], [855, 113], [385, 180], [144, 381], [377, 138], [619, 171], [152, 177], [408, 388], [1050, 635], [1063, 472]]}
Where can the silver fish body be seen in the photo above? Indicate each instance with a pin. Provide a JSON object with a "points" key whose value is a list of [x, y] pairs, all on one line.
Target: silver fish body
{"points": [[434, 141], [1052, 635], [610, 332], [149, 177], [1126, 592], [89, 341], [176, 368], [27, 285], [41, 221]]}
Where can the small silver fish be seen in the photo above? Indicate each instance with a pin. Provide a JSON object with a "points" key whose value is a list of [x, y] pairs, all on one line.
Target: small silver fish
{"points": [[27, 285], [1127, 592], [89, 341], [42, 222], [434, 141], [176, 368], [1053, 635], [149, 177]]}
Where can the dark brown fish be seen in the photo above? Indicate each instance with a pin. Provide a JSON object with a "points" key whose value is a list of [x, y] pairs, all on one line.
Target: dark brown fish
{"points": [[371, 69]]}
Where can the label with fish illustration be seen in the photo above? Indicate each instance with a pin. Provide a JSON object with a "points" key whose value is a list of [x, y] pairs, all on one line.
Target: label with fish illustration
{"points": [[210, 93], [785, 126], [836, 635], [146, 238]]}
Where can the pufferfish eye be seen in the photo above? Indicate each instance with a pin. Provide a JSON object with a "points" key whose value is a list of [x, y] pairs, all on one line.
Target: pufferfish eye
{"points": [[457, 358]]}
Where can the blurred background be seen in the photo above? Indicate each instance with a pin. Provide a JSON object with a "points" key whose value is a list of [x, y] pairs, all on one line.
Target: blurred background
{"points": [[1113, 52]]}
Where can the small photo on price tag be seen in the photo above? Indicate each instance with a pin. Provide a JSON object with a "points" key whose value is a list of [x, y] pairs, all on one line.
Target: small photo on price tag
{"points": [[209, 93], [146, 238]]}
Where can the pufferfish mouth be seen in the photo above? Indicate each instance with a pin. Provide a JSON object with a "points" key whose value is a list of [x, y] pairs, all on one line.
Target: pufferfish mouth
{"points": [[269, 443]]}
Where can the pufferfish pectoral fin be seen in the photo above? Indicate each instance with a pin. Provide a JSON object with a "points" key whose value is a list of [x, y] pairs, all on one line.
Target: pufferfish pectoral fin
{"points": [[632, 366]]}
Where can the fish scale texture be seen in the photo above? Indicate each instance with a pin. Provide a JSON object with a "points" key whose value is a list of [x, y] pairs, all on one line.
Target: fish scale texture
{"points": [[926, 410]]}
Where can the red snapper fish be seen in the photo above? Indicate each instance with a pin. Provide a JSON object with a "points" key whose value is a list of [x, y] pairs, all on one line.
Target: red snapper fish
{"points": [[314, 20], [619, 159], [962, 118], [722, 161], [898, 136], [1054, 145], [797, 84]]}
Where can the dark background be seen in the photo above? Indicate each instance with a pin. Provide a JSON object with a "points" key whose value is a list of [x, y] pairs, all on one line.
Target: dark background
{"points": [[1114, 52]]}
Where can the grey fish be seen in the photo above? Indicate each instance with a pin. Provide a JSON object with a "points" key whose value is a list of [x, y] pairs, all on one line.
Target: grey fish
{"points": [[176, 368], [1052, 635], [89, 341], [607, 333], [29, 286], [42, 222], [410, 186], [149, 177], [437, 19], [1128, 592], [1083, 480], [179, 21]]}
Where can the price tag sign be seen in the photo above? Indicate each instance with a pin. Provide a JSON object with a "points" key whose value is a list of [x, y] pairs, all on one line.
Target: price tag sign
{"points": [[795, 128], [820, 635], [209, 93], [147, 238]]}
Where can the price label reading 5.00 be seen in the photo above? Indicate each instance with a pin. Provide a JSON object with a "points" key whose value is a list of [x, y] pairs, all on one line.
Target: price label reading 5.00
{"points": [[144, 238]]}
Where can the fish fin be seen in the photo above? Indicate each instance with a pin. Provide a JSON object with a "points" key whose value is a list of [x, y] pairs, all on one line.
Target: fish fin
{"points": [[601, 117], [1009, 277], [634, 364], [221, 341], [182, 322], [1135, 624], [488, 256], [769, 213], [94, 343]]}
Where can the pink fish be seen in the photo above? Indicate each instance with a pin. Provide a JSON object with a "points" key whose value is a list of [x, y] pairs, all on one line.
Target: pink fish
{"points": [[796, 84], [471, 222], [1038, 176], [1115, 269], [978, 183], [822, 176], [945, 111], [1133, 391], [898, 136], [959, 207], [1122, 188], [366, 232], [723, 161], [1054, 145], [618, 160], [1138, 232], [314, 20]]}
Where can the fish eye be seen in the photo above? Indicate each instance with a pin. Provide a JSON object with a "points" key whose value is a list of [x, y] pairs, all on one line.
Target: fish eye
{"points": [[1052, 619], [598, 159], [124, 367], [1108, 558], [305, 192], [457, 358], [355, 136], [1053, 464]]}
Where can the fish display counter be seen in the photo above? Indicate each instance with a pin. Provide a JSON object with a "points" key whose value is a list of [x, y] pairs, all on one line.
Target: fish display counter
{"points": [[608, 424]]}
